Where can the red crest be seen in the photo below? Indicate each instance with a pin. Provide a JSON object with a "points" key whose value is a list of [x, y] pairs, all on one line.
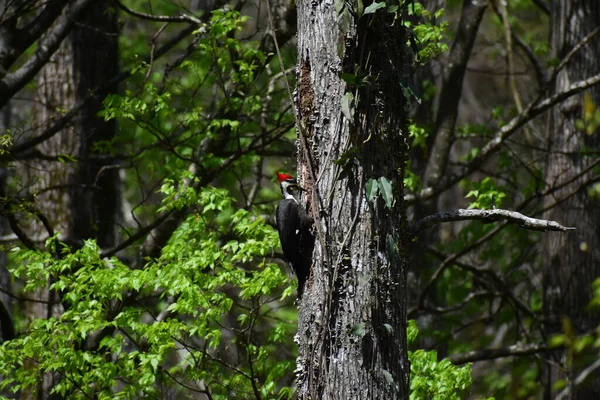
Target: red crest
{"points": [[283, 177]]}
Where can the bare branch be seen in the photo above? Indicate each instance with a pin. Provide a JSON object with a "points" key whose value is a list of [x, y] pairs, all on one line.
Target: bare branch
{"points": [[5, 210], [160, 230], [485, 274], [543, 5], [445, 123], [19, 40], [452, 259], [159, 18], [580, 378], [574, 51], [24, 299], [534, 109], [15, 81], [533, 59], [135, 237], [487, 216], [64, 120], [492, 354], [416, 311]]}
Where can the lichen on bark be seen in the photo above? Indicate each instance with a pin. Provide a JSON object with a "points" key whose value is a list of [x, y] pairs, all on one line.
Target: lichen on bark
{"points": [[352, 319]]}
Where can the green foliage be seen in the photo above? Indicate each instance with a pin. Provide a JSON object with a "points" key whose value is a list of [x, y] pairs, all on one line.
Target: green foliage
{"points": [[213, 96], [486, 194], [189, 291], [380, 187], [582, 350], [374, 7], [212, 311], [418, 134], [433, 379], [428, 35], [412, 181], [591, 116], [6, 142]]}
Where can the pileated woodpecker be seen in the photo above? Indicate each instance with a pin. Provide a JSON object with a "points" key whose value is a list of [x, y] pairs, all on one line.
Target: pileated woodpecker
{"points": [[294, 226]]}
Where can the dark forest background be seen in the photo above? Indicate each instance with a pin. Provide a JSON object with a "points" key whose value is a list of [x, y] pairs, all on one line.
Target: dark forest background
{"points": [[139, 141]]}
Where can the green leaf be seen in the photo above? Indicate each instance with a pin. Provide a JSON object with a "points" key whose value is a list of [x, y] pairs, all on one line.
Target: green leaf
{"points": [[558, 340], [388, 328], [374, 7], [411, 331], [347, 106], [388, 377], [350, 79], [372, 190], [346, 156], [385, 188], [358, 330]]}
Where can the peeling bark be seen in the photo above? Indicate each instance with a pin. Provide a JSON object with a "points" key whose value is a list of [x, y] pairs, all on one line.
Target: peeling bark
{"points": [[352, 318]]}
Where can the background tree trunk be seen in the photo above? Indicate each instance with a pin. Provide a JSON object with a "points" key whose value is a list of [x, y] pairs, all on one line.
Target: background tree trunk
{"points": [[572, 262], [71, 185], [96, 201], [352, 319]]}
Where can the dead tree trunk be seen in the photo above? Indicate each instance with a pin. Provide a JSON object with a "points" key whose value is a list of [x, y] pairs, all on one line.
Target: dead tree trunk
{"points": [[572, 262], [352, 152]]}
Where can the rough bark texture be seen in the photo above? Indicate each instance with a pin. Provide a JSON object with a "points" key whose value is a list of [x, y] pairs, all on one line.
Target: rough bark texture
{"points": [[48, 180], [72, 175], [96, 201], [352, 318], [79, 198], [572, 262]]}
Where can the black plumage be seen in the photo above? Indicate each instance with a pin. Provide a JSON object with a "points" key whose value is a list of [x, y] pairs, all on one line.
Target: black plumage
{"points": [[295, 234]]}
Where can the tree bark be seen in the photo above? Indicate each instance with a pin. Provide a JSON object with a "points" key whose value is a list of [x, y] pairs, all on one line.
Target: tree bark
{"points": [[96, 202], [79, 197], [352, 137], [572, 262]]}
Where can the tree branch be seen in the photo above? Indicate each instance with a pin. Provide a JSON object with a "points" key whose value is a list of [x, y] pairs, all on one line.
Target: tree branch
{"points": [[492, 354], [487, 216], [445, 123], [543, 5], [64, 120], [15, 81], [19, 40], [452, 259], [5, 210], [534, 109], [496, 283], [574, 51], [535, 62], [159, 18], [160, 230], [579, 380]]}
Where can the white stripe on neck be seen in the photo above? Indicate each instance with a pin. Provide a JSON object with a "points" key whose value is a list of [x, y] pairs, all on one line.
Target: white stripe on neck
{"points": [[289, 195]]}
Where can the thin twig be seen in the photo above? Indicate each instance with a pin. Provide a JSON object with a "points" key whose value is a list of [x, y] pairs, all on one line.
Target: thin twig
{"points": [[580, 378], [159, 18], [574, 51], [534, 109]]}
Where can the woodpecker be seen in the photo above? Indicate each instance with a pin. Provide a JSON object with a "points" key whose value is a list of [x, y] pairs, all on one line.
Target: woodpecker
{"points": [[295, 230]]}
